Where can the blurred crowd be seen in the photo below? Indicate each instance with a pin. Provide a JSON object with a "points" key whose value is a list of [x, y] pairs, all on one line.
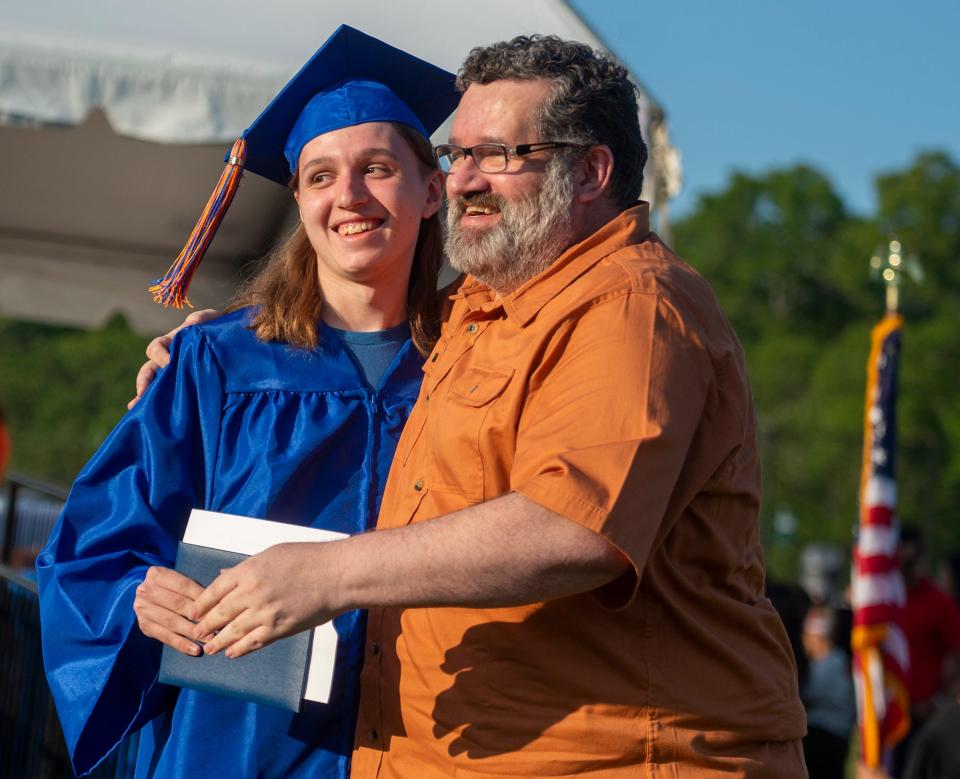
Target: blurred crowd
{"points": [[819, 621]]}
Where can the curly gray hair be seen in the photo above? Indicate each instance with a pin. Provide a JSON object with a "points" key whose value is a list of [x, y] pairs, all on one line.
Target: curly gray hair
{"points": [[593, 101]]}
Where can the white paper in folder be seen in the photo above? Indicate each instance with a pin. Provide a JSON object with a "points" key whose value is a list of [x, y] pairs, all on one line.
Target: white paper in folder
{"points": [[246, 535]]}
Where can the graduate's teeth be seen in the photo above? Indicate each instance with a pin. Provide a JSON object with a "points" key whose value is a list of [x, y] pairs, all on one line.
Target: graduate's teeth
{"points": [[474, 210], [352, 228]]}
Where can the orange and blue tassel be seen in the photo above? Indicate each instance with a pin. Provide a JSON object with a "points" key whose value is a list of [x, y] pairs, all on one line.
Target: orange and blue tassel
{"points": [[171, 290]]}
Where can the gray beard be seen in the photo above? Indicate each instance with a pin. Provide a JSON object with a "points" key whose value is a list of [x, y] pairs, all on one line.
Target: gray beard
{"points": [[531, 234]]}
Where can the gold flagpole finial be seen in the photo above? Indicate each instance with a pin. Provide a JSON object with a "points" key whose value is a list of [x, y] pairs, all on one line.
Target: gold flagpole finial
{"points": [[891, 268]]}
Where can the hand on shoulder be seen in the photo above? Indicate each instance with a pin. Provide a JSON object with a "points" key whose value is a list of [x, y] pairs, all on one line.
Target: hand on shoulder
{"points": [[158, 351]]}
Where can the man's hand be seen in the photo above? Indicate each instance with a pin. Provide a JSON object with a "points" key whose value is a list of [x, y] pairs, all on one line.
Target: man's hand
{"points": [[504, 552], [158, 351], [163, 605], [281, 591]]}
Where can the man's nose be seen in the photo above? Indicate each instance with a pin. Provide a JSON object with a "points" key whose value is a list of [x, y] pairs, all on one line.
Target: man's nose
{"points": [[466, 177]]}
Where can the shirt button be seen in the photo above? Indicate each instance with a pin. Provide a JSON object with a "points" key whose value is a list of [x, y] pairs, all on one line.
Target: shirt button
{"points": [[372, 734], [374, 648], [472, 327], [434, 358], [418, 485]]}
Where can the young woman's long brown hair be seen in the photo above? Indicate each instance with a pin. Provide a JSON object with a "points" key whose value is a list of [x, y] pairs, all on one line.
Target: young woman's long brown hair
{"points": [[286, 292]]}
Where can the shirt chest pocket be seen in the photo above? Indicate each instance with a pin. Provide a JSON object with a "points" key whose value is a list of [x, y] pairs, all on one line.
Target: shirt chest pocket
{"points": [[466, 432]]}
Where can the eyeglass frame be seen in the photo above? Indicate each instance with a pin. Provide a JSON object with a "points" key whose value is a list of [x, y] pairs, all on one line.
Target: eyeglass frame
{"points": [[520, 150]]}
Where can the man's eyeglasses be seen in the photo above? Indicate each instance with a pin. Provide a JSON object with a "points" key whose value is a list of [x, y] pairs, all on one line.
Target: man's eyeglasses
{"points": [[490, 157]]}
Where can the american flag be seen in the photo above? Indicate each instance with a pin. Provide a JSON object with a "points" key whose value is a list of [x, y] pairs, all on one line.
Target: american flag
{"points": [[880, 656]]}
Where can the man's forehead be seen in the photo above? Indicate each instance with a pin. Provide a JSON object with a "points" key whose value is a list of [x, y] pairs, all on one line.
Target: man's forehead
{"points": [[498, 111]]}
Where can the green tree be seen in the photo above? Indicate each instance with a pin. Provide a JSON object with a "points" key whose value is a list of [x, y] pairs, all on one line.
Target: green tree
{"points": [[789, 265], [921, 205], [63, 390], [764, 243]]}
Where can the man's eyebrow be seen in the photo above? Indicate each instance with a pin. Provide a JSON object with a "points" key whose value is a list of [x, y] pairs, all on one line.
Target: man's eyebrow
{"points": [[483, 139]]}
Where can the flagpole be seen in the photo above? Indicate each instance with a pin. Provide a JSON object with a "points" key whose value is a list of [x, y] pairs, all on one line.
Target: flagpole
{"points": [[879, 666], [891, 270]]}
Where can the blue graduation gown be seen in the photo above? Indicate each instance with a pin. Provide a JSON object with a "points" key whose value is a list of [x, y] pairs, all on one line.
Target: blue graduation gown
{"points": [[238, 426]]}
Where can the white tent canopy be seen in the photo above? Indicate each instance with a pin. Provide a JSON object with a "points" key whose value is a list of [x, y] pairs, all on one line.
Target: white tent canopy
{"points": [[178, 75]]}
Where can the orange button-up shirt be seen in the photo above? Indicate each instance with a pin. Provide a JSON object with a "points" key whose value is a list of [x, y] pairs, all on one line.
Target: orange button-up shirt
{"points": [[611, 390]]}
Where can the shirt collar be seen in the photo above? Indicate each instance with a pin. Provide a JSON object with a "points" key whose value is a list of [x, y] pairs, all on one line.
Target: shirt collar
{"points": [[522, 305]]}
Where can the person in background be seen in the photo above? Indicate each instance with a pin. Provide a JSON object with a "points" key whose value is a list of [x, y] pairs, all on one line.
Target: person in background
{"points": [[288, 408], [935, 749], [930, 620], [948, 576], [792, 604], [828, 696]]}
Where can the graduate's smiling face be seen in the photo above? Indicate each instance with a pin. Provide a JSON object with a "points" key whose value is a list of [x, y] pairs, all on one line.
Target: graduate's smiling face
{"points": [[362, 192]]}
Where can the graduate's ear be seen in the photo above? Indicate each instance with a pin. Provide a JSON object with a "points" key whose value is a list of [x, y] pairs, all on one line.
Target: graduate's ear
{"points": [[296, 197], [435, 182]]}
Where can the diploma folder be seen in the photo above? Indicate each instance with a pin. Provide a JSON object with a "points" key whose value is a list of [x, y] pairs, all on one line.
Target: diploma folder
{"points": [[283, 674]]}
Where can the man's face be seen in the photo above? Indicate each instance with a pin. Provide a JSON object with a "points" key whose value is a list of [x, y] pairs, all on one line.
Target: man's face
{"points": [[504, 228]]}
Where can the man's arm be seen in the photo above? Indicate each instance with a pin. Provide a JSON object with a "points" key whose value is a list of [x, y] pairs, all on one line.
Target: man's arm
{"points": [[504, 552]]}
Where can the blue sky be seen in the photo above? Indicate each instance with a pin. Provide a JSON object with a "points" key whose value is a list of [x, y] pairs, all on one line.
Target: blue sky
{"points": [[851, 87]]}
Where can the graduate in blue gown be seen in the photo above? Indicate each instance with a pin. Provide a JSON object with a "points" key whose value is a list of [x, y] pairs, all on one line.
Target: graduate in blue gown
{"points": [[288, 408]]}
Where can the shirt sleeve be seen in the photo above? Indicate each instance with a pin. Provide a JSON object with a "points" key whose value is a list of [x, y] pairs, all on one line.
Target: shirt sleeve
{"points": [[610, 421], [125, 512]]}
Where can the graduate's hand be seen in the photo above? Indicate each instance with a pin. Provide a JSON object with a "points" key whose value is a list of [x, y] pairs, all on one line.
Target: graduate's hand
{"points": [[163, 604], [158, 351], [281, 591]]}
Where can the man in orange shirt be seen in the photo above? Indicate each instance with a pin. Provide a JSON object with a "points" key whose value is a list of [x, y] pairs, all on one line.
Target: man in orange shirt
{"points": [[567, 576]]}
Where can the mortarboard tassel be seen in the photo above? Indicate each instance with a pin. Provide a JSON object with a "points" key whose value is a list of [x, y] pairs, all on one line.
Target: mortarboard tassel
{"points": [[171, 290]]}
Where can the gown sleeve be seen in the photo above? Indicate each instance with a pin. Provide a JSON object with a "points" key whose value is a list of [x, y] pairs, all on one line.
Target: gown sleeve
{"points": [[126, 512]]}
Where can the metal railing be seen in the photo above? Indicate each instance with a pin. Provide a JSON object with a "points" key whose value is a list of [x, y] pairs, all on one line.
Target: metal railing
{"points": [[28, 519], [31, 742]]}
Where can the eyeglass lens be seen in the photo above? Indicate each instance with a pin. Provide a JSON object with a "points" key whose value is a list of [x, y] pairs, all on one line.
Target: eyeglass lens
{"points": [[489, 157]]}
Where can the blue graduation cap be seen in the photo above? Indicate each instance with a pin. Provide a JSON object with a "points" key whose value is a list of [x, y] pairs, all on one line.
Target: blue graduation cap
{"points": [[352, 79]]}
